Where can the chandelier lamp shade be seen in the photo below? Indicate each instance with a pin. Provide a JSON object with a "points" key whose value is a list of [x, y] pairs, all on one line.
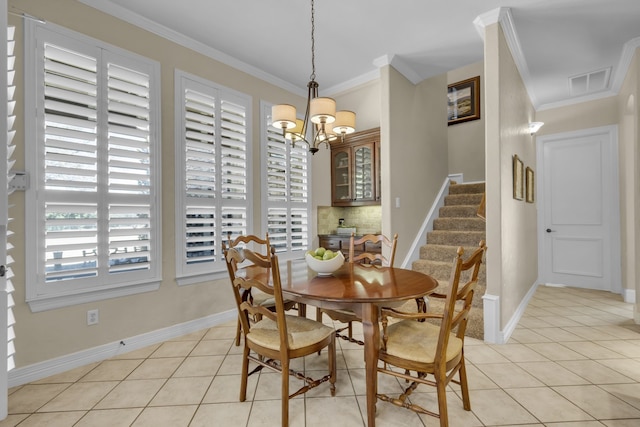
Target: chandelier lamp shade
{"points": [[326, 124]]}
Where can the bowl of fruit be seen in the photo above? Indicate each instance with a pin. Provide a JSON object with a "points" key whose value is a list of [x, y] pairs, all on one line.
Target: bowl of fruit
{"points": [[324, 261]]}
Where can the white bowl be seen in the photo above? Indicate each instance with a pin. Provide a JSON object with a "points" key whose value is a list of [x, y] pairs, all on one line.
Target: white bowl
{"points": [[325, 267]]}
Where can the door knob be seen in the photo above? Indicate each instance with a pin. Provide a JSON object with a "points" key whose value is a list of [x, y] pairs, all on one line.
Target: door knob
{"points": [[550, 230]]}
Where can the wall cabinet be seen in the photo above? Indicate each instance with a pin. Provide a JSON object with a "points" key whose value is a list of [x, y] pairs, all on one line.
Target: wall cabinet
{"points": [[355, 166]]}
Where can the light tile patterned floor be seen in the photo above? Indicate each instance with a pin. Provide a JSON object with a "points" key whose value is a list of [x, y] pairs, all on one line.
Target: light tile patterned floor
{"points": [[574, 360]]}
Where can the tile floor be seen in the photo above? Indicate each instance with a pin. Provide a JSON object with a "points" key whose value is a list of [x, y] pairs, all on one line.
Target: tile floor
{"points": [[574, 360]]}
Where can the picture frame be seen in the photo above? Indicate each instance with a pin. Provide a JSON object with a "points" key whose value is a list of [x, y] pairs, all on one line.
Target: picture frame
{"points": [[530, 185], [518, 178], [463, 101]]}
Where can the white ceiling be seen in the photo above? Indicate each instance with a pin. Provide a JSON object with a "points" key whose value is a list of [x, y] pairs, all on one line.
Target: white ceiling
{"points": [[552, 40]]}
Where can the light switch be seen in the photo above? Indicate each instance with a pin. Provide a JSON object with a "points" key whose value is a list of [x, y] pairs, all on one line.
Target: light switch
{"points": [[397, 202]]}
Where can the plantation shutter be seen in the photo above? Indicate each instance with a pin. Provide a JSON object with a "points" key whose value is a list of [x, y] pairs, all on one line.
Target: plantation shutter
{"points": [[287, 188], [212, 153], [97, 198], [70, 164], [10, 175], [129, 159]]}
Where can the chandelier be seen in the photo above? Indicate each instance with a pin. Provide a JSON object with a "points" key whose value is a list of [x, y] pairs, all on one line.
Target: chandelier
{"points": [[326, 123]]}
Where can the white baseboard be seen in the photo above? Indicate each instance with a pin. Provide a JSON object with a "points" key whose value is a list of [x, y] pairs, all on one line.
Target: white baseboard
{"points": [[629, 295], [491, 317], [491, 305], [44, 369]]}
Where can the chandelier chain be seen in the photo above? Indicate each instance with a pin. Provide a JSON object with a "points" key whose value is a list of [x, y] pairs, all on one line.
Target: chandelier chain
{"points": [[313, 43]]}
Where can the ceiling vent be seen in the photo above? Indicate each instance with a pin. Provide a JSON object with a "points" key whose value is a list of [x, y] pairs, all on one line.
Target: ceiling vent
{"points": [[594, 81]]}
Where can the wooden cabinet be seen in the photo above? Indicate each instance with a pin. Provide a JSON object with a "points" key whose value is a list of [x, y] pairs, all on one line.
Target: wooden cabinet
{"points": [[355, 166], [338, 242]]}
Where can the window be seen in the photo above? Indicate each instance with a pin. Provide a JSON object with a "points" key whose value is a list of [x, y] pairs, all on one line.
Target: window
{"points": [[212, 174], [286, 183], [93, 216]]}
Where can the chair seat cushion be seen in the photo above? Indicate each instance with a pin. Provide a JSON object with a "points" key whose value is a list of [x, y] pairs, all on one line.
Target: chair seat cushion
{"points": [[417, 341], [302, 332]]}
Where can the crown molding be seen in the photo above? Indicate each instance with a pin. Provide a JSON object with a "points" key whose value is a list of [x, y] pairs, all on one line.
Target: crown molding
{"points": [[399, 65], [179, 38]]}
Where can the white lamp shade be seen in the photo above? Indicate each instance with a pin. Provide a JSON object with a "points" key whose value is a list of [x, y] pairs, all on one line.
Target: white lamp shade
{"points": [[322, 110], [345, 122], [295, 133], [283, 116]]}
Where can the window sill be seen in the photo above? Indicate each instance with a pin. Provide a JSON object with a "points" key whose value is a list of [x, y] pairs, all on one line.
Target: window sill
{"points": [[45, 303]]}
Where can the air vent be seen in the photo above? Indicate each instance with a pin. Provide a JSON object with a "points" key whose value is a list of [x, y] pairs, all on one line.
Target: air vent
{"points": [[594, 81]]}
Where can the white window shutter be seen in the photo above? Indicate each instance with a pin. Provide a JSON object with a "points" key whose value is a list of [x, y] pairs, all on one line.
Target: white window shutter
{"points": [[97, 183], [286, 175], [212, 164]]}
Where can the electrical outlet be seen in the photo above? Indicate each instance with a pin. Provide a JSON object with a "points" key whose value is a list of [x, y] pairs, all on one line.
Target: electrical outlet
{"points": [[92, 317]]}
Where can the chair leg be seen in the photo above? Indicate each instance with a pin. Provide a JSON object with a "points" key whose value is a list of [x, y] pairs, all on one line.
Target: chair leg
{"points": [[285, 393], [332, 366], [441, 386], [462, 373], [245, 373]]}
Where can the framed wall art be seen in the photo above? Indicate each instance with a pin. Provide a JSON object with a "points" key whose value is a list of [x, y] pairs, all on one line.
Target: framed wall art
{"points": [[530, 194], [518, 178], [463, 101]]}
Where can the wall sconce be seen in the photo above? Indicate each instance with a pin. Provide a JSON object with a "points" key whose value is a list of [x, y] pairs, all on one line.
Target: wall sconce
{"points": [[535, 127]]}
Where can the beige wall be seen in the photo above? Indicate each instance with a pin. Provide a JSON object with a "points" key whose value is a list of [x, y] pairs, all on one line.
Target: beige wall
{"points": [[49, 334], [413, 152], [512, 257], [629, 119], [618, 110], [466, 139]]}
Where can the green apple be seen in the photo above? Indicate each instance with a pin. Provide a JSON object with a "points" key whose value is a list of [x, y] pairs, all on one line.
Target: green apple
{"points": [[320, 252], [318, 257], [328, 254]]}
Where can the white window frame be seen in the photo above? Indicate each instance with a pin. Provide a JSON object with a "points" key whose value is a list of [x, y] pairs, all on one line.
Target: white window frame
{"points": [[42, 295], [211, 267], [286, 251]]}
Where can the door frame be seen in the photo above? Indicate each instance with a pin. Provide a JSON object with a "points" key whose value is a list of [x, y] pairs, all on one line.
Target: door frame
{"points": [[612, 190]]}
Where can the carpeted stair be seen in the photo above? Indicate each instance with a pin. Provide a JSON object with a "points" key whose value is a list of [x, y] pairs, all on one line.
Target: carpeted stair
{"points": [[457, 225]]}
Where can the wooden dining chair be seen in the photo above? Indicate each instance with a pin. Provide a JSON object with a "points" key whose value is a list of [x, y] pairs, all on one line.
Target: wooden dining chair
{"points": [[258, 298], [277, 338], [385, 258], [434, 352]]}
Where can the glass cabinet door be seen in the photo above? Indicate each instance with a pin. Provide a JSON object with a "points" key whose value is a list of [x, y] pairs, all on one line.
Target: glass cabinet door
{"points": [[341, 176], [363, 172]]}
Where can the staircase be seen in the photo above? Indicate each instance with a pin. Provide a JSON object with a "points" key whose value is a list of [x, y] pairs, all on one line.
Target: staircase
{"points": [[458, 225]]}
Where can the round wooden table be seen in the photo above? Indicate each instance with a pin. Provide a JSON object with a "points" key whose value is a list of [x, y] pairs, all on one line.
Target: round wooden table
{"points": [[363, 289]]}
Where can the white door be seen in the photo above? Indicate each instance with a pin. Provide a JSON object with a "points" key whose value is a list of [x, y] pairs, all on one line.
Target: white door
{"points": [[578, 220]]}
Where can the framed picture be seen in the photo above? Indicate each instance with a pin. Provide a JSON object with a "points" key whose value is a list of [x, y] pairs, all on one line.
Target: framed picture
{"points": [[530, 196], [463, 101], [518, 178]]}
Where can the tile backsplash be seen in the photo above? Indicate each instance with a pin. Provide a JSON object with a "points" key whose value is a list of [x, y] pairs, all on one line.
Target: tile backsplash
{"points": [[366, 219]]}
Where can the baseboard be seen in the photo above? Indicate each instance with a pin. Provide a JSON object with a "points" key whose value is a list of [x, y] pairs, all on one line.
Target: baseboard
{"points": [[491, 306], [513, 322], [44, 369], [629, 295], [491, 318]]}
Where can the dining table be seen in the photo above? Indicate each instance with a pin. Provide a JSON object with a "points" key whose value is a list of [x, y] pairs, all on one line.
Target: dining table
{"points": [[363, 289]]}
